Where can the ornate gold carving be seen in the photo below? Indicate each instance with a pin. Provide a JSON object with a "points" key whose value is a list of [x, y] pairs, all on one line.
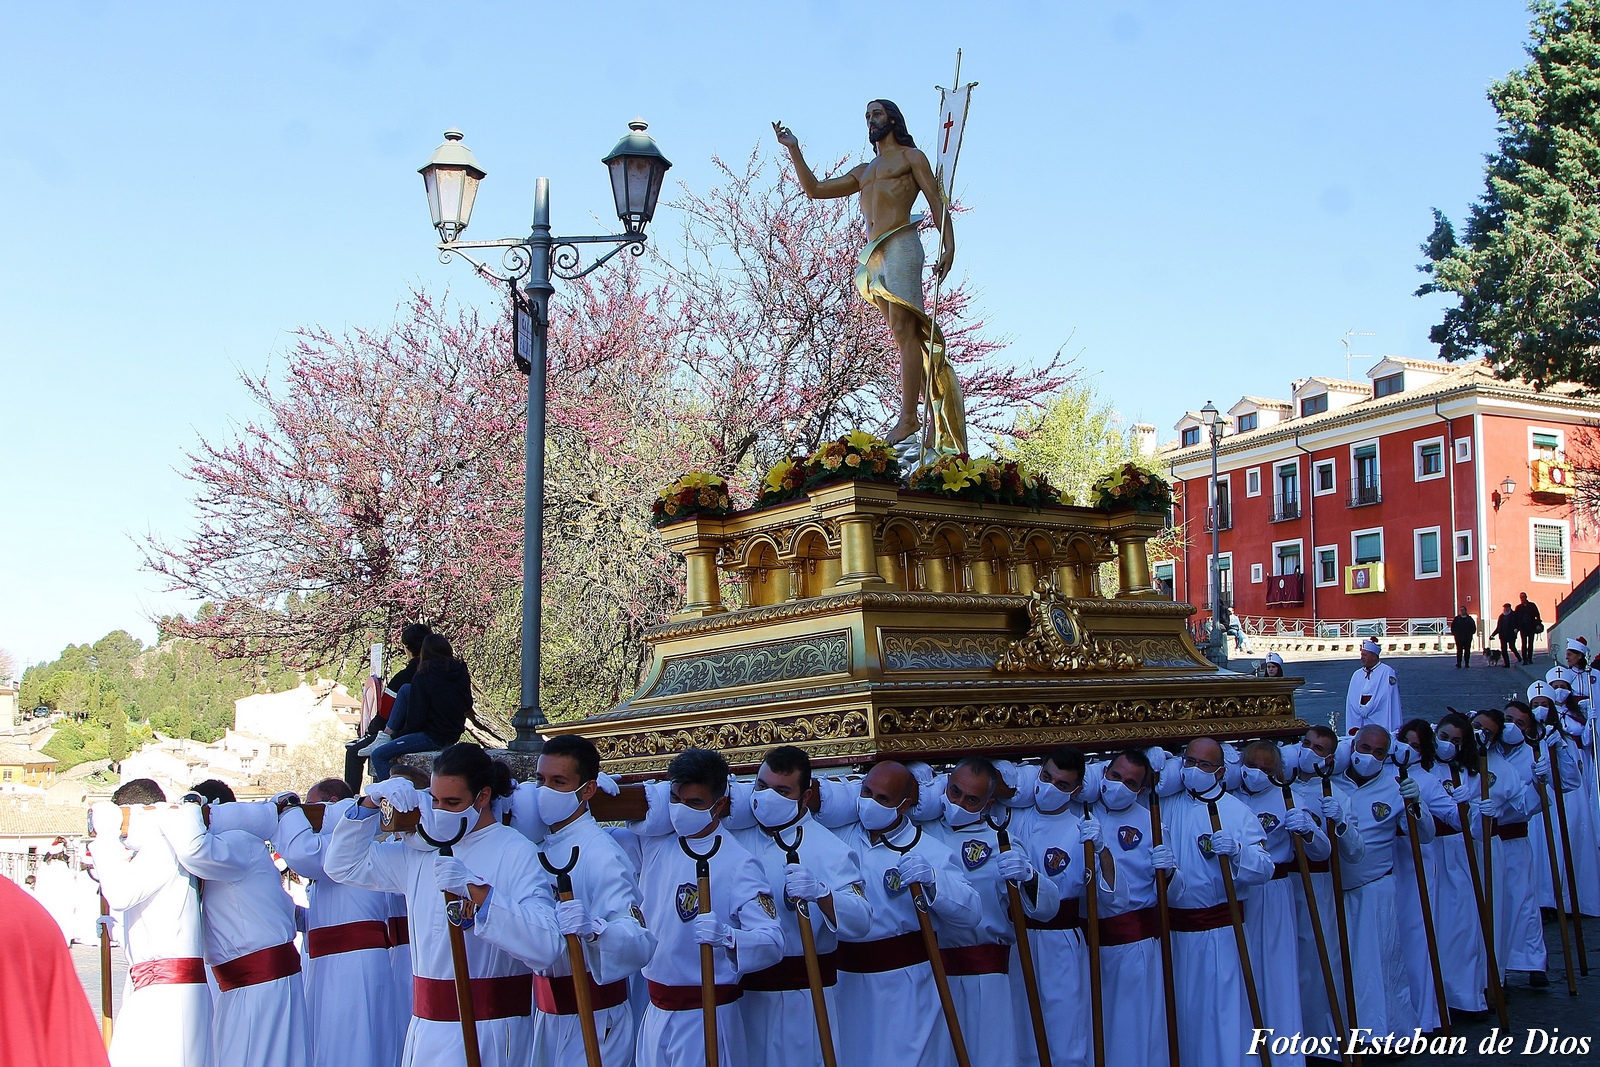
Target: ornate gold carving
{"points": [[728, 736], [1136, 713], [777, 661], [1058, 643], [905, 650], [1111, 736], [1164, 651]]}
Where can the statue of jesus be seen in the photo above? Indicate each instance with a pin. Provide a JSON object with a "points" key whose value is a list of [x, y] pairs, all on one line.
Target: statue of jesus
{"points": [[889, 271]]}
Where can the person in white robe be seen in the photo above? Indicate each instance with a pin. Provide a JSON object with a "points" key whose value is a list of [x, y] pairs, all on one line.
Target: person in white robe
{"points": [[165, 1018], [493, 867], [1215, 1027], [889, 1010], [1456, 918], [1416, 757], [1568, 691], [259, 1016], [1374, 694], [768, 817], [741, 925], [346, 943]]}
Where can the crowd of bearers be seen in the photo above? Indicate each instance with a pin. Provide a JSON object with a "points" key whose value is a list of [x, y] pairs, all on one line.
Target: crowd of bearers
{"points": [[749, 885]]}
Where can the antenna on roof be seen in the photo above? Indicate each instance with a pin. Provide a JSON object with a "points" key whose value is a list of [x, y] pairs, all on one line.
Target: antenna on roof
{"points": [[1349, 355]]}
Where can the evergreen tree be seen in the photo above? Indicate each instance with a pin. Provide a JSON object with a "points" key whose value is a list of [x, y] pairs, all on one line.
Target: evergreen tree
{"points": [[1526, 271]]}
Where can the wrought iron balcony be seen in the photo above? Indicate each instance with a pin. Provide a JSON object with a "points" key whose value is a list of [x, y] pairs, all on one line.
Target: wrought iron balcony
{"points": [[1285, 507], [1364, 492]]}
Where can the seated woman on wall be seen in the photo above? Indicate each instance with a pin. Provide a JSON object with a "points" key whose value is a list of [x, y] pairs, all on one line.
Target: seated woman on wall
{"points": [[434, 714]]}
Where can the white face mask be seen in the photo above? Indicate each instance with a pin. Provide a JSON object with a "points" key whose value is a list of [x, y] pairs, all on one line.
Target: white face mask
{"points": [[773, 810], [1254, 780], [1199, 781], [556, 807], [1511, 736], [447, 825], [687, 821], [1311, 763], [958, 818], [1365, 763], [1446, 749], [1049, 797], [1116, 795], [875, 816]]}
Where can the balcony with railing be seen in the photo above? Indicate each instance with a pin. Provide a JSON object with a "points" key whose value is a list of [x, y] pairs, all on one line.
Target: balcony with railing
{"points": [[1221, 515], [1286, 589], [1365, 491], [1285, 507]]}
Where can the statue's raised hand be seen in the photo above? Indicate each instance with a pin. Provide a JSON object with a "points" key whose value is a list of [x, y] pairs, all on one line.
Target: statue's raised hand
{"points": [[786, 136]]}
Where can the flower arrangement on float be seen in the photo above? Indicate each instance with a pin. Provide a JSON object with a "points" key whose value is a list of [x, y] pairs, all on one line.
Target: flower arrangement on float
{"points": [[694, 494], [1131, 485], [985, 481]]}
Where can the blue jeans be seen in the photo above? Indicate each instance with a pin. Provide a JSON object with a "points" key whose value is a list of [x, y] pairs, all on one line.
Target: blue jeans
{"points": [[387, 752], [397, 714]]}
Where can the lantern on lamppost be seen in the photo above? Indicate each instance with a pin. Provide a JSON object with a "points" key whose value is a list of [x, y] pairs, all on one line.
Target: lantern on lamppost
{"points": [[451, 178]]}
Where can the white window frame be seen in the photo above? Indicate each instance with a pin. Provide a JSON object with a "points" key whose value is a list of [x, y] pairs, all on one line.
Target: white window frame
{"points": [[1382, 548], [1317, 575], [1253, 475], [1463, 450], [1416, 551], [1462, 557], [1561, 443], [1318, 465], [1255, 574], [1416, 459], [1297, 542], [1566, 551]]}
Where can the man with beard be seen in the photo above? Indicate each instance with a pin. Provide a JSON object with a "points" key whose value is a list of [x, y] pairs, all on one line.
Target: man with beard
{"points": [[889, 274]]}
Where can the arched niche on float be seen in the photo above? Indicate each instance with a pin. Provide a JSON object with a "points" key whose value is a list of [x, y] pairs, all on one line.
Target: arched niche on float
{"points": [[766, 578], [814, 563], [991, 563], [944, 559], [898, 556]]}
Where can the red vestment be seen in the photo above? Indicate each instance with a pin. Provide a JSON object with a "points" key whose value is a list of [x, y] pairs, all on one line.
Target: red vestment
{"points": [[45, 1019]]}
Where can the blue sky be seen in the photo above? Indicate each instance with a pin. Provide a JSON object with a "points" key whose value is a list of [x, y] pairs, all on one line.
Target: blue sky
{"points": [[1202, 197]]}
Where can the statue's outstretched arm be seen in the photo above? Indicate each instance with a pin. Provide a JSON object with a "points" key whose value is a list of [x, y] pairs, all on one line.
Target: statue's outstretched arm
{"points": [[827, 189]]}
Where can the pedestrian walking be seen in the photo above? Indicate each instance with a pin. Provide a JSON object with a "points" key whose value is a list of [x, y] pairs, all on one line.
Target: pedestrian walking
{"points": [[1463, 628], [1505, 631], [1528, 624]]}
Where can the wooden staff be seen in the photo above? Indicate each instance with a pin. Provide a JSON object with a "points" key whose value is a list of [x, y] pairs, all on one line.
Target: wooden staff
{"points": [[1555, 880], [1413, 813], [1030, 977], [1328, 983], [580, 970], [1336, 870], [1165, 936], [1238, 934], [1092, 928], [930, 942], [1566, 857], [1485, 919], [708, 963], [459, 966], [105, 971], [808, 948]]}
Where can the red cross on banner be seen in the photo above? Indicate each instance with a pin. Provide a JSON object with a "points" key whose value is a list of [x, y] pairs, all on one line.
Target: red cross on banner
{"points": [[952, 120]]}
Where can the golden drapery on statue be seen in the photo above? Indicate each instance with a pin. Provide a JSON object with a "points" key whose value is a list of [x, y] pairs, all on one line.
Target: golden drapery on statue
{"points": [[890, 269]]}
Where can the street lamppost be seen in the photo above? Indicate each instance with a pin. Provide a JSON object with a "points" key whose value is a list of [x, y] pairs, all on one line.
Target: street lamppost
{"points": [[451, 177], [1217, 651]]}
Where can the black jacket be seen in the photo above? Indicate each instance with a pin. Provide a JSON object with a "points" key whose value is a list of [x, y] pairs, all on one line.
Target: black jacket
{"points": [[1527, 616], [1505, 628], [441, 697], [1463, 627]]}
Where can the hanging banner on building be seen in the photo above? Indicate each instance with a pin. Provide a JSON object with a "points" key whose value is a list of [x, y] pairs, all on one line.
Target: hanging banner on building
{"points": [[1363, 578]]}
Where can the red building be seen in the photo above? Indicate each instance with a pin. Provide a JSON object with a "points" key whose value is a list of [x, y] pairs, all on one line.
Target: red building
{"points": [[1356, 508]]}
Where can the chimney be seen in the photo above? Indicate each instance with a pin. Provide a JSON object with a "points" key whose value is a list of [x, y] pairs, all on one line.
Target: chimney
{"points": [[1144, 437]]}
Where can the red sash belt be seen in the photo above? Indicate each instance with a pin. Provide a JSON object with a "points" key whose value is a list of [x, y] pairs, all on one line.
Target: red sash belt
{"points": [[687, 997], [789, 974], [1511, 831], [1129, 927], [256, 968], [976, 959], [1194, 920], [1284, 869], [1065, 918], [1317, 866], [399, 931], [559, 995], [885, 954], [1442, 828], [347, 937], [509, 997], [180, 970]]}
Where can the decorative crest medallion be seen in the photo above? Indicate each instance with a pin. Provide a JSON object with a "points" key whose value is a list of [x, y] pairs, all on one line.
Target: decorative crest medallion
{"points": [[1057, 641]]}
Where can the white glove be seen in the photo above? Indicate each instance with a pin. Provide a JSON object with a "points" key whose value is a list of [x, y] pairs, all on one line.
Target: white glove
{"points": [[1332, 811], [450, 874], [1475, 809], [1460, 794], [1089, 830], [1162, 858], [1409, 789], [573, 918], [1298, 821], [921, 772], [799, 883], [1541, 769], [286, 799], [1157, 757], [710, 930], [401, 794], [915, 868], [105, 926], [607, 784], [1014, 866], [1494, 807], [106, 819], [1224, 843]]}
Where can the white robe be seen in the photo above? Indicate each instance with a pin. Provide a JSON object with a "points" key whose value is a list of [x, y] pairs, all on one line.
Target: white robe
{"points": [[1576, 769], [1455, 915], [1437, 812], [1061, 957], [157, 906], [350, 1027], [1214, 1019], [497, 856], [245, 910], [1518, 929], [1373, 698], [400, 966], [1316, 1013]]}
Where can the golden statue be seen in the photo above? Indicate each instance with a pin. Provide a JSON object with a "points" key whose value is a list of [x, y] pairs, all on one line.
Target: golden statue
{"points": [[889, 271]]}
